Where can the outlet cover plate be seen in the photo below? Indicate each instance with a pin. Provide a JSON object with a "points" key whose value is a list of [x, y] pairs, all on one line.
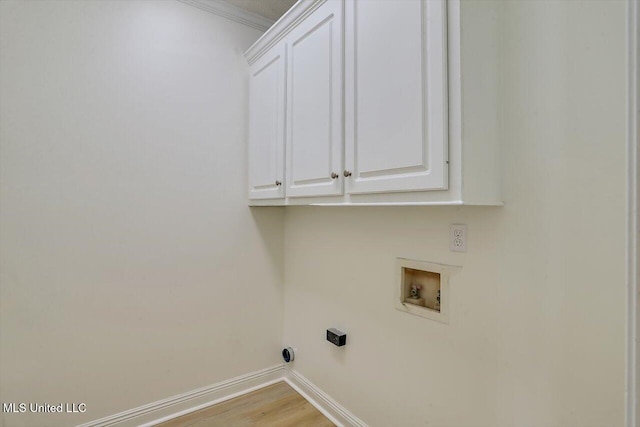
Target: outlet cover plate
{"points": [[458, 238]]}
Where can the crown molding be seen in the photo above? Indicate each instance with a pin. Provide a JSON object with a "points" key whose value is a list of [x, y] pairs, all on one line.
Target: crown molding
{"points": [[281, 28], [234, 13]]}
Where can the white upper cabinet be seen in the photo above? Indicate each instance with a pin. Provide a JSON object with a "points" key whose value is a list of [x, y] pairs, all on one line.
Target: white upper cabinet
{"points": [[396, 121], [314, 104], [371, 94], [266, 125]]}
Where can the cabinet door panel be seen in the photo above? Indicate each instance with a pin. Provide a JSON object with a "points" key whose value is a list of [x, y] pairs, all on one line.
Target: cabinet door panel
{"points": [[396, 135], [314, 103], [266, 126]]}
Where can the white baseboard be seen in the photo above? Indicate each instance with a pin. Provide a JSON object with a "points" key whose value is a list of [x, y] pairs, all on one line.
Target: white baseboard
{"points": [[331, 409], [166, 409], [181, 404]]}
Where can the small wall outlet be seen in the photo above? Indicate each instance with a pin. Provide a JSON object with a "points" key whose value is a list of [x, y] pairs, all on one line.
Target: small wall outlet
{"points": [[336, 337], [458, 238]]}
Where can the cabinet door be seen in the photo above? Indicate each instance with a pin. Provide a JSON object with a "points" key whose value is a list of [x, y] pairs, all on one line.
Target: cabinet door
{"points": [[395, 71], [266, 125], [314, 104]]}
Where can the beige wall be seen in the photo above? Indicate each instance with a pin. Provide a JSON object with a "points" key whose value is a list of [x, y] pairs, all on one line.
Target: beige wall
{"points": [[129, 255], [132, 268], [537, 323]]}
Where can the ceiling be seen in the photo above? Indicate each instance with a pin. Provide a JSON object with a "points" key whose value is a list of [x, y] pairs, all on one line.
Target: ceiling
{"points": [[270, 9]]}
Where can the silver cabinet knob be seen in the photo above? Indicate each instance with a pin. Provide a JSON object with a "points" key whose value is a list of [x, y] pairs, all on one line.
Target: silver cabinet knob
{"points": [[334, 175], [278, 182], [346, 174]]}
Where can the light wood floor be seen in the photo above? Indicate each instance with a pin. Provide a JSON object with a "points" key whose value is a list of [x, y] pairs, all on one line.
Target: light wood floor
{"points": [[276, 405]]}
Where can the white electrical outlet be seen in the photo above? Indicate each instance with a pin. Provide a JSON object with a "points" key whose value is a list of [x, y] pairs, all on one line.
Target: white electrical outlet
{"points": [[458, 238]]}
